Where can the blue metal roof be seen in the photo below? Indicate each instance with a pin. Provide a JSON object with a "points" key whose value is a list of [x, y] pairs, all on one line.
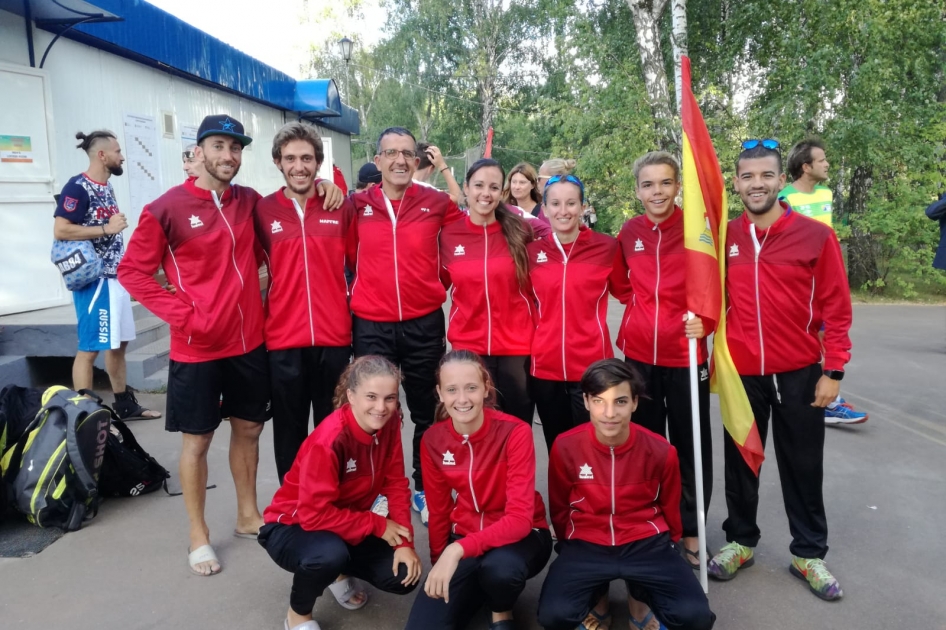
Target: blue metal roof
{"points": [[156, 38]]}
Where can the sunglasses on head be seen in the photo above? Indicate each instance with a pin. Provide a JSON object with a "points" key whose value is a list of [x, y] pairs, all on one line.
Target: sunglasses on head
{"points": [[571, 179], [768, 143]]}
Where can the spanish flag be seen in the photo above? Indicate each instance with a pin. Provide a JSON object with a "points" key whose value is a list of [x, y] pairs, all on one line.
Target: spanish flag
{"points": [[704, 227]]}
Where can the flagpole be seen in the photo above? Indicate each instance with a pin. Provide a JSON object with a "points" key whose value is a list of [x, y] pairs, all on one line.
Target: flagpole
{"points": [[698, 459]]}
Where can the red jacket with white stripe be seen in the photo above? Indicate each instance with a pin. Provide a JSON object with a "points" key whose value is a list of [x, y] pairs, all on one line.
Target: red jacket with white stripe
{"points": [[782, 283], [306, 251], [571, 293], [398, 269], [490, 313], [492, 473], [211, 255], [652, 330], [339, 472], [614, 495]]}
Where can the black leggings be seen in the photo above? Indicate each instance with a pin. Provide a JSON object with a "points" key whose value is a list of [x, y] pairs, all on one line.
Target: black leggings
{"points": [[316, 559], [560, 405], [511, 378], [496, 579]]}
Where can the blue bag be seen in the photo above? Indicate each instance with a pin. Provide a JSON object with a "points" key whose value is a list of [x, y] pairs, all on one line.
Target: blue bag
{"points": [[78, 262]]}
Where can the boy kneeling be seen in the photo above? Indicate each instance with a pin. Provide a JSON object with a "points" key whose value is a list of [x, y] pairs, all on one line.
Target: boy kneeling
{"points": [[614, 497]]}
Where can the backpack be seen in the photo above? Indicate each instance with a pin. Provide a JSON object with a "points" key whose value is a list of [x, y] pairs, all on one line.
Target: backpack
{"points": [[18, 407], [128, 470], [54, 467]]}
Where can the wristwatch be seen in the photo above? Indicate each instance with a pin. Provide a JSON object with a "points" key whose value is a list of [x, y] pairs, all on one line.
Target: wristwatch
{"points": [[835, 375]]}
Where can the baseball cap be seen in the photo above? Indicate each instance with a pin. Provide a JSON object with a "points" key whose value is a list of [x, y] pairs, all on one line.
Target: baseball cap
{"points": [[222, 125], [369, 174]]}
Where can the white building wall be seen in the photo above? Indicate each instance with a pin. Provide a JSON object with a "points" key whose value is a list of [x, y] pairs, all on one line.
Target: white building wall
{"points": [[92, 89]]}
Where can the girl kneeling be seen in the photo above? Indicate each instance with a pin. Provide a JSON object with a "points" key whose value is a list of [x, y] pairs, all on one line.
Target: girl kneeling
{"points": [[494, 536], [320, 522]]}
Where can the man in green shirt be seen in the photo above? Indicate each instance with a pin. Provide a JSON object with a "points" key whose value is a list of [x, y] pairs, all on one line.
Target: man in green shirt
{"points": [[808, 167]]}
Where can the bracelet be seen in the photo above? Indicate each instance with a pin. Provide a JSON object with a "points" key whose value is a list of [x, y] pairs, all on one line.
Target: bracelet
{"points": [[103, 231], [445, 168]]}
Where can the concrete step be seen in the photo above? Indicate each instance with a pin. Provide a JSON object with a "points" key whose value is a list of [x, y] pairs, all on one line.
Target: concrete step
{"points": [[147, 360], [147, 331], [155, 382], [14, 370]]}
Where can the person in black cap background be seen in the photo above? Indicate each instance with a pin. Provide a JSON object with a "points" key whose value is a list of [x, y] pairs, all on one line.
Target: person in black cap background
{"points": [[368, 177]]}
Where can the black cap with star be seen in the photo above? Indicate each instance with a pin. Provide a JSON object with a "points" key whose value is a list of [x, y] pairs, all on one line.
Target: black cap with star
{"points": [[222, 125]]}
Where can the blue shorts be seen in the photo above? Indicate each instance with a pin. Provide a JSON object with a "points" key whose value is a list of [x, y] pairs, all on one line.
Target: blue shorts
{"points": [[103, 310]]}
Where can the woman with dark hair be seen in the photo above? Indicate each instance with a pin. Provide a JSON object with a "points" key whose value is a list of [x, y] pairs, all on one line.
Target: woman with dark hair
{"points": [[484, 260], [571, 272], [320, 523], [493, 536], [522, 189]]}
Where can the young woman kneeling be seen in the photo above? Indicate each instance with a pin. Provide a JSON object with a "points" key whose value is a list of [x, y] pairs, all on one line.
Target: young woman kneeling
{"points": [[320, 523], [494, 536], [614, 497]]}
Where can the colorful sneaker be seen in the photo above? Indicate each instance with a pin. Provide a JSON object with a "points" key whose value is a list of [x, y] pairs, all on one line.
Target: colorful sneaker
{"points": [[419, 504], [842, 413], [380, 506], [820, 581], [730, 559]]}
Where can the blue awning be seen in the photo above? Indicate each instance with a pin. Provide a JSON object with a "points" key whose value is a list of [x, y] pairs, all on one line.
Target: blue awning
{"points": [[58, 12], [318, 98]]}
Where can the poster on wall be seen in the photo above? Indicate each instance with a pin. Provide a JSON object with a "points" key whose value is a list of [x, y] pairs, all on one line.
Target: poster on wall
{"points": [[141, 161], [188, 136], [16, 149]]}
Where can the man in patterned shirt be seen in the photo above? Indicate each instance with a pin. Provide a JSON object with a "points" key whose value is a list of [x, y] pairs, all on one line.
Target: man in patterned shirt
{"points": [[86, 211]]}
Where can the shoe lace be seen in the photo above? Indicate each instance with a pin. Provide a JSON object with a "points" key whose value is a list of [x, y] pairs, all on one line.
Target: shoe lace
{"points": [[728, 553], [819, 571]]}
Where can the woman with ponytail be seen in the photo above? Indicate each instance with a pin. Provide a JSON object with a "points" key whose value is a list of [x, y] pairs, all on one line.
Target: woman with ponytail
{"points": [[320, 523], [488, 530], [484, 259]]}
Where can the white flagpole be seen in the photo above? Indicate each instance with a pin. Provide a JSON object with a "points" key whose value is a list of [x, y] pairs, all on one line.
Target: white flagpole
{"points": [[698, 458]]}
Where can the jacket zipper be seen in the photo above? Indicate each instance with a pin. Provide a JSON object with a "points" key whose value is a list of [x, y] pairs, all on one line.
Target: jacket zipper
{"points": [[489, 317], [374, 441], [564, 276], [757, 246], [657, 292], [611, 517], [219, 205], [305, 264], [476, 505], [397, 282]]}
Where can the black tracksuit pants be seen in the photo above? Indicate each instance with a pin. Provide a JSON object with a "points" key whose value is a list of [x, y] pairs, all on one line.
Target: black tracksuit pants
{"points": [[799, 452], [652, 568], [666, 412], [316, 559], [416, 346], [495, 579], [303, 380], [511, 378], [560, 405]]}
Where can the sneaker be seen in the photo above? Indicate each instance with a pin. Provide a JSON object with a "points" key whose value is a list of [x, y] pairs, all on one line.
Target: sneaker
{"points": [[380, 506], [843, 413], [820, 581], [730, 559], [419, 504]]}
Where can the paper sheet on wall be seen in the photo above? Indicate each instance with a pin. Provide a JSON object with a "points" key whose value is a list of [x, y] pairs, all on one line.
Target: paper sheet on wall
{"points": [[141, 162], [188, 136]]}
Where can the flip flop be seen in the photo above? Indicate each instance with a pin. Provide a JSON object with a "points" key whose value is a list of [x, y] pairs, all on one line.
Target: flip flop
{"points": [[505, 624], [247, 535], [345, 590], [204, 553], [640, 625], [687, 554], [594, 621]]}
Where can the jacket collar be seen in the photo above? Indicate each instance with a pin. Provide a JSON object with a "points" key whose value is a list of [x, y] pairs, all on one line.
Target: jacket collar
{"points": [[675, 217], [355, 429], [285, 201], [376, 195], [480, 434], [201, 193], [492, 228], [618, 450], [788, 216]]}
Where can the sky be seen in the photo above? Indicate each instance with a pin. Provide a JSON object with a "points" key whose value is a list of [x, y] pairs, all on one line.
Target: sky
{"points": [[280, 34]]}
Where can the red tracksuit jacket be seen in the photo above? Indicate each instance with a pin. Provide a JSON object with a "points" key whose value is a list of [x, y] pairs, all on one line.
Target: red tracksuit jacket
{"points": [[339, 472], [490, 313], [307, 301], [571, 294], [614, 495], [210, 254], [652, 328], [493, 475], [398, 269], [782, 284]]}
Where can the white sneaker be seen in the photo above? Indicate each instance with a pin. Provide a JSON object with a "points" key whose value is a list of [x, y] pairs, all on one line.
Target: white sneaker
{"points": [[380, 506]]}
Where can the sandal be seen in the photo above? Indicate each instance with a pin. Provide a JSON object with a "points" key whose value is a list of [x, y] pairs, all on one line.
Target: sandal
{"points": [[126, 407], [594, 621], [505, 624], [687, 554], [204, 553], [642, 624], [345, 590]]}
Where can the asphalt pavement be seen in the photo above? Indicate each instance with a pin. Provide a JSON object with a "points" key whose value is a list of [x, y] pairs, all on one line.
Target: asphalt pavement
{"points": [[884, 490]]}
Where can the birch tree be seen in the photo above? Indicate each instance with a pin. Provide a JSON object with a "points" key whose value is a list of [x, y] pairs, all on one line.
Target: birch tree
{"points": [[646, 15]]}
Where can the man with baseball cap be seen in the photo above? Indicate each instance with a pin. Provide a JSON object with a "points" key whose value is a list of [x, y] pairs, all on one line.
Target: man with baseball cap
{"points": [[201, 233], [368, 177]]}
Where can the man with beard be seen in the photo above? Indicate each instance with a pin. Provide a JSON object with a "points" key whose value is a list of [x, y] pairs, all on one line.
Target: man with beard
{"points": [[785, 278], [86, 210], [808, 166], [308, 324], [201, 233]]}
